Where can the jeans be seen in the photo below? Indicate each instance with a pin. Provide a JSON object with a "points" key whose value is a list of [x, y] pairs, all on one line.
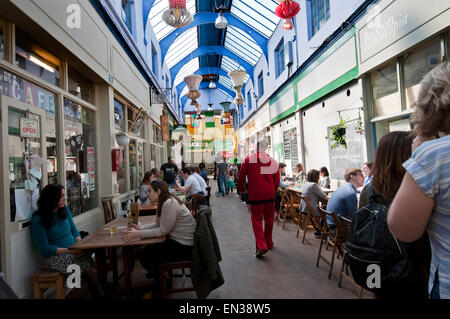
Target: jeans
{"points": [[222, 180], [434, 294]]}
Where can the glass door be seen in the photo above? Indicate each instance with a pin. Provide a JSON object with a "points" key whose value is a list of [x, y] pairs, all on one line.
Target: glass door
{"points": [[23, 174]]}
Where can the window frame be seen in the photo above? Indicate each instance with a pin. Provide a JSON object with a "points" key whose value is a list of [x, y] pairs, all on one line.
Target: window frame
{"points": [[279, 57], [249, 100], [154, 61], [313, 15], [260, 85]]}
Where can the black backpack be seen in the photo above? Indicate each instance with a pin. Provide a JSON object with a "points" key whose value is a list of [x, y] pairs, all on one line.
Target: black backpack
{"points": [[370, 241]]}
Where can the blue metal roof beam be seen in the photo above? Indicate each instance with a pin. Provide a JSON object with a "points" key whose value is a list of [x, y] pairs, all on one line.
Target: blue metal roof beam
{"points": [[208, 50], [210, 17]]}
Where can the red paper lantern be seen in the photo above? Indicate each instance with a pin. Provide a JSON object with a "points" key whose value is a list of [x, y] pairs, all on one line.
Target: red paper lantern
{"points": [[287, 10], [180, 4]]}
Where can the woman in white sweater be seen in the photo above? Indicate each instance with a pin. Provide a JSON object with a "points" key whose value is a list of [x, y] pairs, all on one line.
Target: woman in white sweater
{"points": [[174, 221]]}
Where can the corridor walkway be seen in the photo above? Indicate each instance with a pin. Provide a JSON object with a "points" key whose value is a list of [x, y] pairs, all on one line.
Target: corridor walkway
{"points": [[287, 271]]}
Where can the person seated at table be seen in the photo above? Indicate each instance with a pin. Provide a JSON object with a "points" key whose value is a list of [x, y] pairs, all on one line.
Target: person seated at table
{"points": [[174, 221], [344, 200], [191, 184], [53, 232], [311, 190], [300, 174], [200, 180], [325, 178]]}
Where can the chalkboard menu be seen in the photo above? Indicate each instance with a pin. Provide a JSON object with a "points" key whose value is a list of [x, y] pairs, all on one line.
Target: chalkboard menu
{"points": [[340, 158], [287, 145]]}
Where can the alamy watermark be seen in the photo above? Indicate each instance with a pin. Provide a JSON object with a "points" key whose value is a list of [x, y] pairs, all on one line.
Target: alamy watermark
{"points": [[74, 279], [374, 279], [74, 18]]}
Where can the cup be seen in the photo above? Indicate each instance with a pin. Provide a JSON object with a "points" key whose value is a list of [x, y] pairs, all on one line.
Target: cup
{"points": [[112, 230]]}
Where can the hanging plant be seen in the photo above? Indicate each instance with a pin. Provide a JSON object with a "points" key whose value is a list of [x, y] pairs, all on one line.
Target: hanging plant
{"points": [[337, 134], [359, 128]]}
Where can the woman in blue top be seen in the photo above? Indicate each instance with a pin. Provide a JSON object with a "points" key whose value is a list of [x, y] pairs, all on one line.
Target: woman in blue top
{"points": [[53, 231], [423, 200]]}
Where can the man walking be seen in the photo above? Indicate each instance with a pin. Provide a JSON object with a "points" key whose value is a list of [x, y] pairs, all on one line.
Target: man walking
{"points": [[222, 176], [170, 171], [263, 179]]}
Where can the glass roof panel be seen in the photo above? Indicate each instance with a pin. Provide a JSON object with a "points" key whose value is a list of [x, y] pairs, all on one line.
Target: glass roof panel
{"points": [[182, 47], [259, 14], [242, 45], [160, 28], [188, 68], [226, 82]]}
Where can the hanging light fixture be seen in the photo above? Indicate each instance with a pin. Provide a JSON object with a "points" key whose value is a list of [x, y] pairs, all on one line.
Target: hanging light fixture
{"points": [[212, 85], [238, 77], [177, 15], [193, 83], [225, 106], [287, 9], [221, 21]]}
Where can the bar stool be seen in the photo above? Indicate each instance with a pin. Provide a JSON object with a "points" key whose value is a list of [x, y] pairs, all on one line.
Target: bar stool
{"points": [[44, 280]]}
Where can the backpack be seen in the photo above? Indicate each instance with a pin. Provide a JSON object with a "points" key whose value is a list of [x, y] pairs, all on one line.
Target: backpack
{"points": [[370, 241]]}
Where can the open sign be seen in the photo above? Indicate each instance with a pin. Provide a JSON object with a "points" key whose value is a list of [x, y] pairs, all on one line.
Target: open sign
{"points": [[29, 128]]}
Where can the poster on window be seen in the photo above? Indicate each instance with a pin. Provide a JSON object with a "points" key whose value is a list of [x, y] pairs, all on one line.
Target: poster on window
{"points": [[91, 167]]}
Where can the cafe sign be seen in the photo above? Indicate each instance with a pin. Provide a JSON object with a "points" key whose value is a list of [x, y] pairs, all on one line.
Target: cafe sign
{"points": [[29, 127]]}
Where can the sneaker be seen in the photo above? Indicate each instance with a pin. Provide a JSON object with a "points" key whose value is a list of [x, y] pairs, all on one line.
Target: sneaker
{"points": [[260, 252]]}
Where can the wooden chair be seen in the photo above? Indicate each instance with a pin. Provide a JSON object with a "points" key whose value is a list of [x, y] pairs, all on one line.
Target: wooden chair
{"points": [[337, 240], [345, 224], [44, 280], [310, 219], [196, 200], [108, 209], [166, 274], [292, 206], [283, 205]]}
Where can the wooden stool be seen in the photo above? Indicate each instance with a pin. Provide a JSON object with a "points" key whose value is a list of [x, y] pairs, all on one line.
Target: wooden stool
{"points": [[45, 280]]}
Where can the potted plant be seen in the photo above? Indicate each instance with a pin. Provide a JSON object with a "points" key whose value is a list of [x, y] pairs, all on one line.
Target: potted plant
{"points": [[337, 134], [359, 128], [122, 139]]}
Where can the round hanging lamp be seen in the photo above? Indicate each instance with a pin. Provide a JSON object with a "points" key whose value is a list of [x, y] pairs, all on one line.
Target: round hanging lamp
{"points": [[177, 15], [238, 77]]}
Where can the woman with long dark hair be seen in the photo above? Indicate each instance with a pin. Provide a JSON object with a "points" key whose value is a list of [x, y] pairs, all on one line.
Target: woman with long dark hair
{"points": [[387, 173], [143, 188], [325, 180], [173, 220], [53, 231]]}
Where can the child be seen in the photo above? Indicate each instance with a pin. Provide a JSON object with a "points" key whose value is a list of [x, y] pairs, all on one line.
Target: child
{"points": [[231, 185]]}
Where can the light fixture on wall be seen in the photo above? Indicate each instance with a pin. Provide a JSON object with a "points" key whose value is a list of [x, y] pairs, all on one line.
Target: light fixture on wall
{"points": [[221, 21], [177, 15]]}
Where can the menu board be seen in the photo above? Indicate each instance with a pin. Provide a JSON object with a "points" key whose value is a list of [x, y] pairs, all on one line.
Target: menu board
{"points": [[287, 145], [294, 147]]}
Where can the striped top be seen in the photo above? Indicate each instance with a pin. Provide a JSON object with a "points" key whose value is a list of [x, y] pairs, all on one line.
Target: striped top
{"points": [[430, 168]]}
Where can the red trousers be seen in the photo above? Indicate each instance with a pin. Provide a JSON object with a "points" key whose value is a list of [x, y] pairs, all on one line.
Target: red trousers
{"points": [[264, 211]]}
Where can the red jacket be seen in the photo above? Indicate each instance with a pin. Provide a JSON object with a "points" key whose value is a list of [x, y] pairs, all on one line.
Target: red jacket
{"points": [[263, 176]]}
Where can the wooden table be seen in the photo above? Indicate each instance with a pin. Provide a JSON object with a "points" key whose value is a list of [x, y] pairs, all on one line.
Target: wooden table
{"points": [[102, 239], [147, 209], [299, 190]]}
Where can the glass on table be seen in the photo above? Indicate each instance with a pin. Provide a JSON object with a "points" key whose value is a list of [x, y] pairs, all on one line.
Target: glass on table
{"points": [[112, 230]]}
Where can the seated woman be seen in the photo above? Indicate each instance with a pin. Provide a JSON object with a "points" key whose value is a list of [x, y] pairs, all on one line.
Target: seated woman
{"points": [[173, 220], [325, 180], [300, 174], [311, 190], [53, 231]]}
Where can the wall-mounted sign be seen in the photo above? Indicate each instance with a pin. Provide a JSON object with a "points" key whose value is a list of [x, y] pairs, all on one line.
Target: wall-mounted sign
{"points": [[29, 127]]}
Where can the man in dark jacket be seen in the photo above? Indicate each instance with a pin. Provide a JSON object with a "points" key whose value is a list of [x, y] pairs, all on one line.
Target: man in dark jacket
{"points": [[263, 179]]}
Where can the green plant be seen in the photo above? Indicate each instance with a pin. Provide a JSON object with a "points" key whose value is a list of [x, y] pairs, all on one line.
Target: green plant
{"points": [[359, 127], [337, 134]]}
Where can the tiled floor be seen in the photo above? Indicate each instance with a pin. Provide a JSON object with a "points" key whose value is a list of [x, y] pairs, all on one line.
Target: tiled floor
{"points": [[288, 271]]}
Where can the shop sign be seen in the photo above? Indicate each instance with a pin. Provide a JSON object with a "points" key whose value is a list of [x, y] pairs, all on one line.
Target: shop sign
{"points": [[250, 128], [29, 127], [165, 128], [22, 90]]}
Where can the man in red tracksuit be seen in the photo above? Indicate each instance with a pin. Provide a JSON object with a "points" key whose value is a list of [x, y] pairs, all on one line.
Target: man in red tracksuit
{"points": [[263, 179]]}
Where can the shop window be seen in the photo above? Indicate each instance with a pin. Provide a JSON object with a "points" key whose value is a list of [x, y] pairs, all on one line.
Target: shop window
{"points": [[126, 14], [279, 58], [416, 66], [119, 115], [80, 154], [79, 85], [319, 14], [260, 85], [157, 135], [385, 90], [35, 60], [133, 164]]}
